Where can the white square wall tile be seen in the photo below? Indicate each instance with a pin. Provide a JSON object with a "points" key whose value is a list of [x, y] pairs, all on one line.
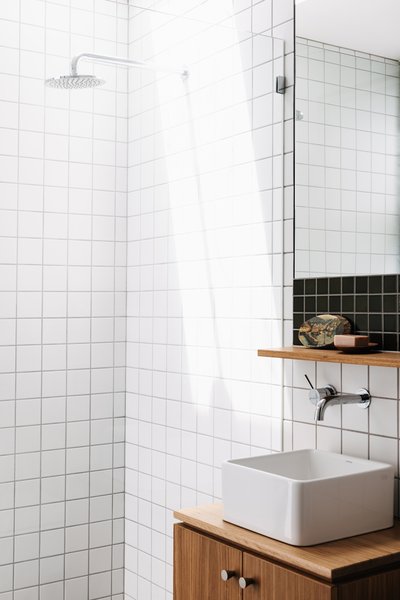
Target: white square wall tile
{"points": [[304, 436], [329, 438], [76, 588], [282, 10], [383, 382], [26, 574], [355, 444], [355, 418], [27, 547], [354, 377], [384, 449], [329, 373], [287, 436], [6, 578], [383, 417], [6, 550], [302, 368], [303, 409]]}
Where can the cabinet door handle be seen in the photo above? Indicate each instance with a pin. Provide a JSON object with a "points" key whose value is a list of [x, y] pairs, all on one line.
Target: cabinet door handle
{"points": [[244, 582], [225, 575]]}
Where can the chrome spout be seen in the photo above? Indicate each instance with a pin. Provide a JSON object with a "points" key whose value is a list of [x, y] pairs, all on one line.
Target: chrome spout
{"points": [[327, 396], [320, 409], [320, 398]]}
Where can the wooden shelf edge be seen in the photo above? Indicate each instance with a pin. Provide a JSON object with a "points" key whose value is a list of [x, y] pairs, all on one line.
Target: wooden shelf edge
{"points": [[377, 359]]}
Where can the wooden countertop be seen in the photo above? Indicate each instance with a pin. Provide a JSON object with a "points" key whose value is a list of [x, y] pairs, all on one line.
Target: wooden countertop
{"points": [[377, 359], [332, 561]]}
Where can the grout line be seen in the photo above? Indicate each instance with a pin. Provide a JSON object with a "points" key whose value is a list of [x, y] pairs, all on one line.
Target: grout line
{"points": [[16, 336], [67, 327], [89, 539], [41, 331], [114, 332]]}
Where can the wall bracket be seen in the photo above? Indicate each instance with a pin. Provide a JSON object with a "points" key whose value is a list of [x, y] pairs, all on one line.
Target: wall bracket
{"points": [[280, 84]]}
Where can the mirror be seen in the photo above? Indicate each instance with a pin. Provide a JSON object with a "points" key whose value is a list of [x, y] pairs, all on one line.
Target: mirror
{"points": [[347, 200]]}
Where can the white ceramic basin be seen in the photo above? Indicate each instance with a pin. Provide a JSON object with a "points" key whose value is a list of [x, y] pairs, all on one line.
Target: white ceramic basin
{"points": [[309, 496]]}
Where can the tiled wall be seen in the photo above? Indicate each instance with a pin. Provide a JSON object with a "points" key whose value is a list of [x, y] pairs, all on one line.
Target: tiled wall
{"points": [[347, 155], [62, 304], [371, 304], [205, 262], [183, 416], [372, 433]]}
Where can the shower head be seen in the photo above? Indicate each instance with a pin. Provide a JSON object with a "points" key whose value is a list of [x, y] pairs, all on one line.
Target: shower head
{"points": [[74, 82]]}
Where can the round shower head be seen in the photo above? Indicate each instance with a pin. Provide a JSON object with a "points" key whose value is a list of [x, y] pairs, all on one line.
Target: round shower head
{"points": [[74, 82]]}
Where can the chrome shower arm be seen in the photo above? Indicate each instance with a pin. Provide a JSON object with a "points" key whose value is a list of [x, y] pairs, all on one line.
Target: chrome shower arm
{"points": [[118, 60]]}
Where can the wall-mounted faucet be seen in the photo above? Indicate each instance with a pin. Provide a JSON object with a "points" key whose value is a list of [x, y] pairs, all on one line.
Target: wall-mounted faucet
{"points": [[328, 396]]}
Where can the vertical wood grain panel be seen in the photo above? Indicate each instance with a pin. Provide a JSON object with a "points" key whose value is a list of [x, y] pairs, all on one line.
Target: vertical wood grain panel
{"points": [[198, 561], [385, 586], [277, 583]]}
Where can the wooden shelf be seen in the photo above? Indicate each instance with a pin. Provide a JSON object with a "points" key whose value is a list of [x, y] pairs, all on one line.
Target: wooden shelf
{"points": [[332, 561], [375, 359]]}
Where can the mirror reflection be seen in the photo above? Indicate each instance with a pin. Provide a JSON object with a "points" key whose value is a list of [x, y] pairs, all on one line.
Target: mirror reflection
{"points": [[347, 202]]}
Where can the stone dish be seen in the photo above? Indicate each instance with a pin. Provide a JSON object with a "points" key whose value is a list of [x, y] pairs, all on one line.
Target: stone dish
{"points": [[319, 331]]}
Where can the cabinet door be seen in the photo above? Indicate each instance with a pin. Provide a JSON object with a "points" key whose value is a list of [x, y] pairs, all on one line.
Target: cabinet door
{"points": [[384, 586], [198, 562], [267, 581]]}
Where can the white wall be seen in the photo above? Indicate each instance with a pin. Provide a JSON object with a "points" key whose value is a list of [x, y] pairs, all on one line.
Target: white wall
{"points": [[205, 280], [62, 304]]}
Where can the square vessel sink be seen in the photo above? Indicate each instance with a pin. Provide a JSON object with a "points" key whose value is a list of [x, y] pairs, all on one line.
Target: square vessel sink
{"points": [[309, 496]]}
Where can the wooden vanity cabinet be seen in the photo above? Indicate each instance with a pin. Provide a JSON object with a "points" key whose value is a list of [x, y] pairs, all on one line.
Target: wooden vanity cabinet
{"points": [[365, 567], [199, 560]]}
